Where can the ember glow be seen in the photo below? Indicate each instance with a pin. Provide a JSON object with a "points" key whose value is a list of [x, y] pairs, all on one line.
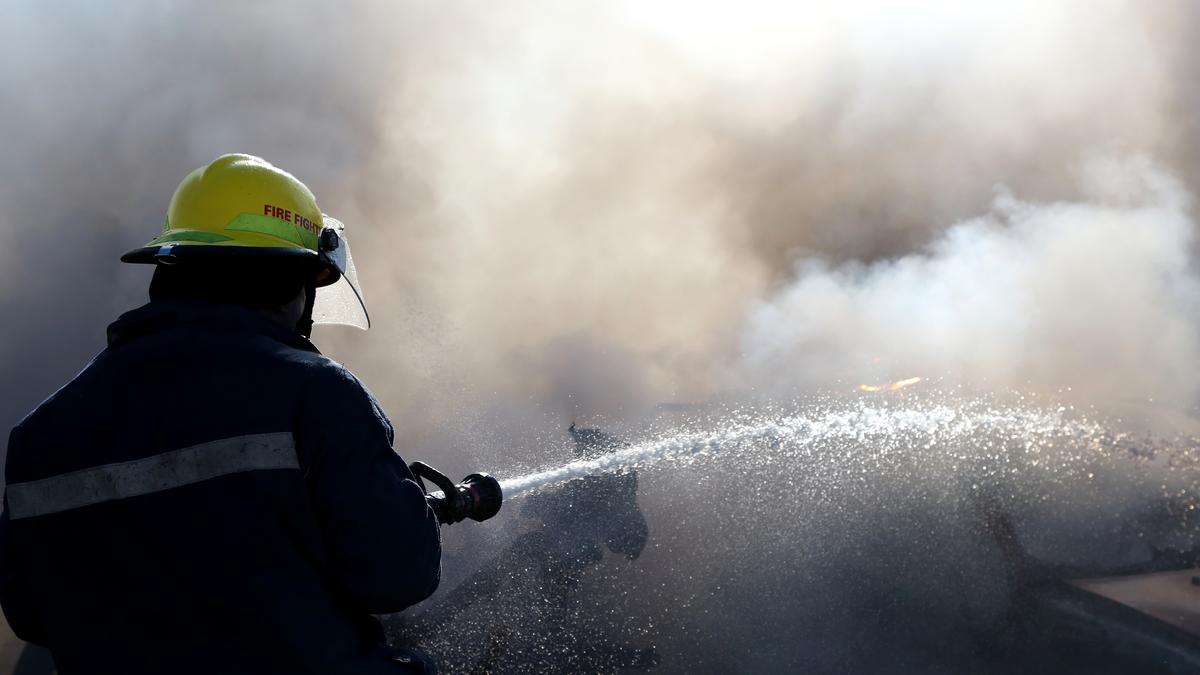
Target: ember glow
{"points": [[893, 386]]}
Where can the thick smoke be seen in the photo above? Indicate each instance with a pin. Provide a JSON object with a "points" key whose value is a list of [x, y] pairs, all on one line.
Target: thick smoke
{"points": [[568, 213]]}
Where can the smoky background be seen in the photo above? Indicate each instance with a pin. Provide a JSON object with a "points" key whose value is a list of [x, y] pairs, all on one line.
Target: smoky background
{"points": [[574, 212], [570, 212]]}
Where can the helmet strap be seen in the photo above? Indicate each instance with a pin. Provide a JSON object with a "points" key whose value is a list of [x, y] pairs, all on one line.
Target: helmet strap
{"points": [[304, 326]]}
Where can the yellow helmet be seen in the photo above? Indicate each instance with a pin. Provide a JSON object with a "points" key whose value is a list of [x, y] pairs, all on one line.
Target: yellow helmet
{"points": [[243, 206]]}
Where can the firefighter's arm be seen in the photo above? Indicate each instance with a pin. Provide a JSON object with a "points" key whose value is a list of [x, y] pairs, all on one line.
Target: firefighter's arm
{"points": [[15, 597], [383, 539]]}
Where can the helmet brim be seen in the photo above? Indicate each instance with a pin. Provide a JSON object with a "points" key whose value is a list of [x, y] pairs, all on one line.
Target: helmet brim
{"points": [[322, 269]]}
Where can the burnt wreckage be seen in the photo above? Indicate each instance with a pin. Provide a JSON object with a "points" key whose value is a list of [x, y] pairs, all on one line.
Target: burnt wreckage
{"points": [[525, 610]]}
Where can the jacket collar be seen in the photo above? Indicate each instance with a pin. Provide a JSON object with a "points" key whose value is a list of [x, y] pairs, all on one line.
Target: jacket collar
{"points": [[160, 315]]}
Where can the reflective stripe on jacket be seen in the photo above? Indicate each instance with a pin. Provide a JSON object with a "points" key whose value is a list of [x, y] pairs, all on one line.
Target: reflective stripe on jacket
{"points": [[211, 495]]}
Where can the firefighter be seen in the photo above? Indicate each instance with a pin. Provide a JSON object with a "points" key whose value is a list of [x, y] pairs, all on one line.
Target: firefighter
{"points": [[211, 494]]}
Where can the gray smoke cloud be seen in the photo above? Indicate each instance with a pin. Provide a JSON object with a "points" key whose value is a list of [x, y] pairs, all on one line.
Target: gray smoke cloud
{"points": [[563, 213]]}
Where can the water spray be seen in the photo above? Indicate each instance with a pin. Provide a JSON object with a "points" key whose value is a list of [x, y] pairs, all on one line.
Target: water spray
{"points": [[865, 423]]}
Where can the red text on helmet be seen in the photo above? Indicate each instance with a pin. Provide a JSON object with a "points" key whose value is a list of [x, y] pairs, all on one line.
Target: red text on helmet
{"points": [[286, 215]]}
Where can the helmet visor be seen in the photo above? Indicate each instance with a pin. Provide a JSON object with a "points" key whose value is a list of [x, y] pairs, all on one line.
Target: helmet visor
{"points": [[342, 301]]}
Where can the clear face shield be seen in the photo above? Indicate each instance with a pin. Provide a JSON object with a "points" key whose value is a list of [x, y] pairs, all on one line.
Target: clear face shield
{"points": [[342, 301]]}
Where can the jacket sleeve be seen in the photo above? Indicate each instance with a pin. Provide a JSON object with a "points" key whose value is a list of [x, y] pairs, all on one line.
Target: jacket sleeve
{"points": [[15, 597], [382, 537]]}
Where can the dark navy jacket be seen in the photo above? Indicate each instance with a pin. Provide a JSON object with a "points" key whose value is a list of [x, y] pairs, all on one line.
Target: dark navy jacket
{"points": [[211, 495]]}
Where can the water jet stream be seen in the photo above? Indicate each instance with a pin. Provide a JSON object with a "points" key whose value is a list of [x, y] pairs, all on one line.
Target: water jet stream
{"points": [[792, 434]]}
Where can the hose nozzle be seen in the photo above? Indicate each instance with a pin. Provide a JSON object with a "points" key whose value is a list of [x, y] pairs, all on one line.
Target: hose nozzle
{"points": [[477, 497]]}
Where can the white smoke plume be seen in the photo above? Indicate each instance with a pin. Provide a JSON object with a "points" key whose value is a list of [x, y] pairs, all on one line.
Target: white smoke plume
{"points": [[1099, 297]]}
